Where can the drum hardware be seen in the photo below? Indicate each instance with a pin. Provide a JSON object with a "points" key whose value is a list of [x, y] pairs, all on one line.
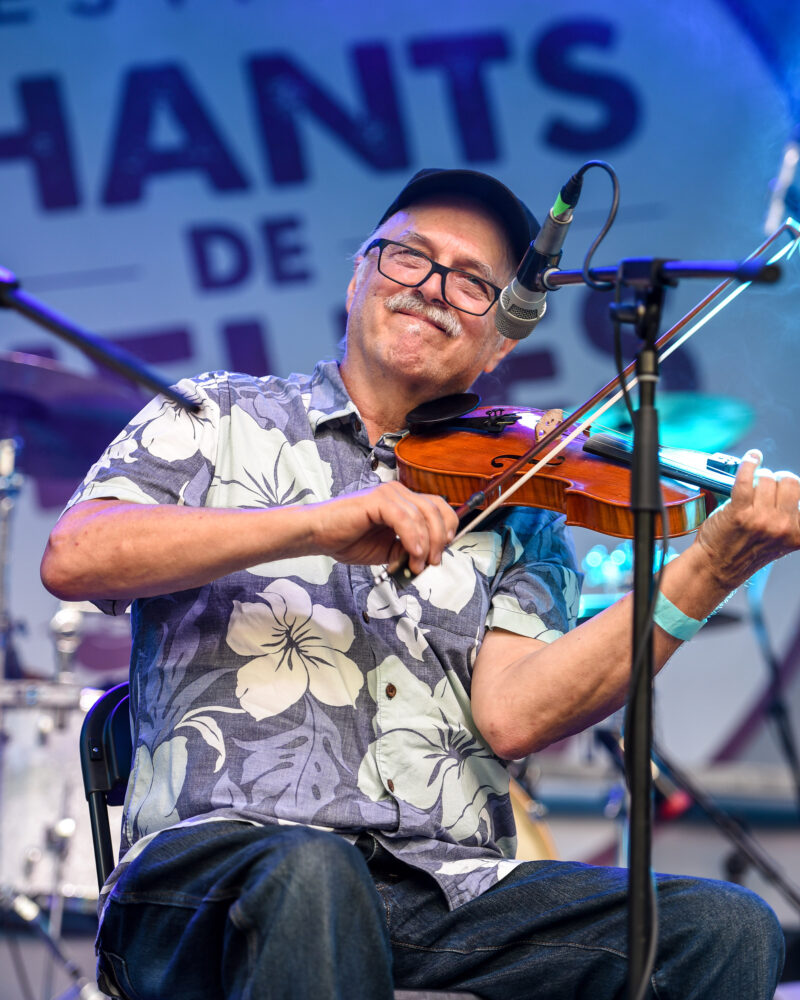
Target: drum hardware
{"points": [[58, 840], [29, 911], [679, 793], [65, 420], [10, 485], [90, 645], [60, 834], [66, 628], [53, 422], [33, 856], [45, 842], [39, 727]]}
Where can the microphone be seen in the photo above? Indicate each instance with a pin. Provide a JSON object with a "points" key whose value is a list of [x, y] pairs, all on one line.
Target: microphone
{"points": [[784, 196], [522, 302]]}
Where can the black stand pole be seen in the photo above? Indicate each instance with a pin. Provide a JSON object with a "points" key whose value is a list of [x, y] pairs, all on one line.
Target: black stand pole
{"points": [[648, 278], [648, 282], [105, 353]]}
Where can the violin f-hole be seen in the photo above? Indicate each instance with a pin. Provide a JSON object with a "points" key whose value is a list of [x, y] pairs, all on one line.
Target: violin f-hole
{"points": [[497, 461]]}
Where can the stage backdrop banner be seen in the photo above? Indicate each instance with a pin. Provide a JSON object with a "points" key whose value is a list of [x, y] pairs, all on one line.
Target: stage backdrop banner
{"points": [[191, 179]]}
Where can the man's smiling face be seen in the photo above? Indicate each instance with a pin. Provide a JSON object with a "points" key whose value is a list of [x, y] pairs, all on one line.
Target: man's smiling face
{"points": [[411, 335]]}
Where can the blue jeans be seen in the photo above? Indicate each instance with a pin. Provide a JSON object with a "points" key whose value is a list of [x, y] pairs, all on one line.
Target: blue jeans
{"points": [[233, 911]]}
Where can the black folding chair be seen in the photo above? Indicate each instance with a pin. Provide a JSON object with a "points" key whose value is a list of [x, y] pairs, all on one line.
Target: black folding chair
{"points": [[106, 746], [106, 750]]}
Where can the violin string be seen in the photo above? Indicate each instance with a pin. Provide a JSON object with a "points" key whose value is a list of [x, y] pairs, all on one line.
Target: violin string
{"points": [[556, 450], [783, 252], [592, 418], [789, 226]]}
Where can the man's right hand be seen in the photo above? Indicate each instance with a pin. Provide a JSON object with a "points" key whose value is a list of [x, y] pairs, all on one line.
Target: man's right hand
{"points": [[379, 524], [111, 549]]}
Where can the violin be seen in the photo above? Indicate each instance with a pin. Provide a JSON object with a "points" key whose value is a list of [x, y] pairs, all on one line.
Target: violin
{"points": [[466, 458], [460, 457]]}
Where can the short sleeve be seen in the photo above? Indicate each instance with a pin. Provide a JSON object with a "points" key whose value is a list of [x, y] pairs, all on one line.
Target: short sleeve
{"points": [[165, 455], [536, 589]]}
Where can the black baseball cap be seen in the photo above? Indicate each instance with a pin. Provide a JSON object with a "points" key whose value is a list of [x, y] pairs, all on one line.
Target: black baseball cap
{"points": [[516, 218]]}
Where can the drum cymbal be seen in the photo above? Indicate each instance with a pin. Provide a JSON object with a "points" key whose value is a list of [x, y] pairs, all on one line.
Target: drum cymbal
{"points": [[690, 420], [65, 419]]}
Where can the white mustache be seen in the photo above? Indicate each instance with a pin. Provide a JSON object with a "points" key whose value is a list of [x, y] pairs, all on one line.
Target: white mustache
{"points": [[412, 302]]}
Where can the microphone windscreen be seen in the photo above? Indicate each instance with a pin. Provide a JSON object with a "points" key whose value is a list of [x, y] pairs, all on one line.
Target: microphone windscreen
{"points": [[512, 320]]}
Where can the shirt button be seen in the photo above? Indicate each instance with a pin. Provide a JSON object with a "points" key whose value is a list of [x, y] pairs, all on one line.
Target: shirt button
{"points": [[390, 785], [365, 616], [374, 463], [391, 690]]}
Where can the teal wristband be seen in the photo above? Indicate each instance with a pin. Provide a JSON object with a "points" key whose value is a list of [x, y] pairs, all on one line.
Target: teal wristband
{"points": [[674, 621]]}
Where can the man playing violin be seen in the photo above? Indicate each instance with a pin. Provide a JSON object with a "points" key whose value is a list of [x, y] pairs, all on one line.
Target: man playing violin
{"points": [[318, 804]]}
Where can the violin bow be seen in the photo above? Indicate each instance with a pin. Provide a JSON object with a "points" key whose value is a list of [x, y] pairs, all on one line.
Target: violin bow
{"points": [[560, 442]]}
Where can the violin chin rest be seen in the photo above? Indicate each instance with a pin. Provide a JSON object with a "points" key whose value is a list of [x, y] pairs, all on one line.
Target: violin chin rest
{"points": [[440, 411]]}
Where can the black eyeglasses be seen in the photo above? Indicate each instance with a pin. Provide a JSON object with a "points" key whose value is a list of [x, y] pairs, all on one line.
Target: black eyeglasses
{"points": [[463, 291]]}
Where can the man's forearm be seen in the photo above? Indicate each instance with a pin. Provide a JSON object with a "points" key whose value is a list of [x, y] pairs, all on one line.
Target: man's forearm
{"points": [[112, 549], [524, 699]]}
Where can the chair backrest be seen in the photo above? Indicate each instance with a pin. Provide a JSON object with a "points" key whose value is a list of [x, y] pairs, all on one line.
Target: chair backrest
{"points": [[106, 748]]}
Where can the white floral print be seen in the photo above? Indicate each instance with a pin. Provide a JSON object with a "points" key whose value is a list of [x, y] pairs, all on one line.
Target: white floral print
{"points": [[295, 473], [385, 602], [278, 724], [158, 780], [171, 433], [454, 770], [209, 729], [296, 647]]}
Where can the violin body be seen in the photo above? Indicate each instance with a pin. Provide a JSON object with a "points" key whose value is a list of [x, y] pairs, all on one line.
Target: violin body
{"points": [[592, 492]]}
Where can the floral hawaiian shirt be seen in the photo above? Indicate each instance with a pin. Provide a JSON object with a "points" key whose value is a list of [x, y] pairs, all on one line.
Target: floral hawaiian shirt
{"points": [[300, 691]]}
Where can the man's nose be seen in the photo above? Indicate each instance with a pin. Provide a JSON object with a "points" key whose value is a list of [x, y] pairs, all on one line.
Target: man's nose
{"points": [[432, 289]]}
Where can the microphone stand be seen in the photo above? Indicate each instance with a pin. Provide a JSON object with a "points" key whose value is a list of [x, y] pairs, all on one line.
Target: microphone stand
{"points": [[776, 708], [94, 347], [648, 278]]}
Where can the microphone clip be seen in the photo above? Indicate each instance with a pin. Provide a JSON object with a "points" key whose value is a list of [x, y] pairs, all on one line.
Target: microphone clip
{"points": [[536, 268]]}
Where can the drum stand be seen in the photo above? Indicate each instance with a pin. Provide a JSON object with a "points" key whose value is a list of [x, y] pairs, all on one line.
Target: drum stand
{"points": [[669, 778], [10, 484], [66, 631], [57, 841], [30, 913], [41, 402]]}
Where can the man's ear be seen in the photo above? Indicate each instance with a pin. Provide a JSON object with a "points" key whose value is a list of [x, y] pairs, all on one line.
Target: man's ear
{"points": [[351, 288], [504, 348]]}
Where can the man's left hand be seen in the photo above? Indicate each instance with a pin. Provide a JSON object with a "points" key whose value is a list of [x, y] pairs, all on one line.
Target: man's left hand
{"points": [[760, 523]]}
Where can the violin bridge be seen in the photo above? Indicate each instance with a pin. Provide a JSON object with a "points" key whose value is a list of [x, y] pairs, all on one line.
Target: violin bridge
{"points": [[548, 421]]}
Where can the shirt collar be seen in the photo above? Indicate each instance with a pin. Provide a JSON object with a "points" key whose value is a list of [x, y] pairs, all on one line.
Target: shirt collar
{"points": [[328, 398]]}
